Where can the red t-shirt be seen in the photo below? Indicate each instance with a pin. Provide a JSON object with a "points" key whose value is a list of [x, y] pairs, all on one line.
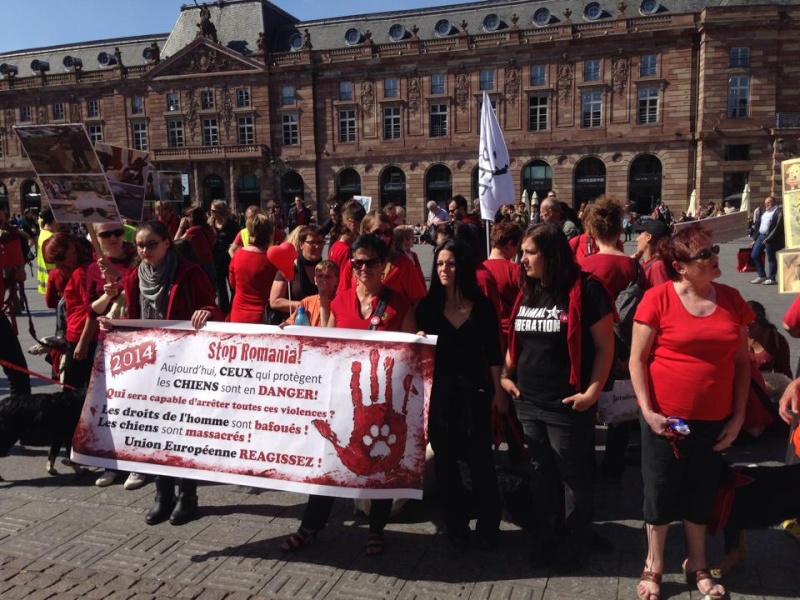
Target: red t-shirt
{"points": [[404, 278], [488, 287], [346, 310], [614, 270], [507, 277], [251, 275], [74, 295], [339, 253], [202, 240], [56, 282], [655, 271], [692, 361]]}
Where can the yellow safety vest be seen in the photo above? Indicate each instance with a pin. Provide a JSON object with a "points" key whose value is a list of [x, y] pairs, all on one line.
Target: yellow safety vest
{"points": [[42, 268]]}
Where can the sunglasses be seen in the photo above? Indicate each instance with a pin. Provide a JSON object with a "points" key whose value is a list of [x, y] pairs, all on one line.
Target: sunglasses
{"points": [[151, 245], [705, 253], [314, 242], [360, 263], [114, 232]]}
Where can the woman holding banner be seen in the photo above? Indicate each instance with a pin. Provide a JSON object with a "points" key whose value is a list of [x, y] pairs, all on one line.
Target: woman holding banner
{"points": [[104, 297], [373, 306], [466, 385], [167, 287]]}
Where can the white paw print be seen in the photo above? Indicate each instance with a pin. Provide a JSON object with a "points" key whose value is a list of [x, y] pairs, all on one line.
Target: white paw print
{"points": [[380, 439]]}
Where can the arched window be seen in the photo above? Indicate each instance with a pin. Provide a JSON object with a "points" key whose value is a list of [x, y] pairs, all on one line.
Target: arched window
{"points": [[644, 183], [291, 185], [590, 180], [393, 186], [438, 184], [537, 176], [31, 195], [4, 198], [213, 189], [248, 191], [348, 184]]}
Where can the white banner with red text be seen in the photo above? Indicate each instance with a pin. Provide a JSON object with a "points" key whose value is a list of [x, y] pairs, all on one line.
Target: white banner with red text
{"points": [[338, 412]]}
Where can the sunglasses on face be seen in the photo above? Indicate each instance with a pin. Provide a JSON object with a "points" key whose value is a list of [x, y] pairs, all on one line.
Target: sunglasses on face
{"points": [[114, 232], [360, 263], [151, 245], [314, 242], [706, 253]]}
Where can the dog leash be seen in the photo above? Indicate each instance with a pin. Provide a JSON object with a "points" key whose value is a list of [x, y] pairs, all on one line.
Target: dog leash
{"points": [[9, 365]]}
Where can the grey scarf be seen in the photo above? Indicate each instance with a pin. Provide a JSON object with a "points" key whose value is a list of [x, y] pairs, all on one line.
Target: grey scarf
{"points": [[155, 284]]}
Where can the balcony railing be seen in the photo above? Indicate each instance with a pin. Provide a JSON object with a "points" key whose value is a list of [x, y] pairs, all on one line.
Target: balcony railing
{"points": [[209, 152]]}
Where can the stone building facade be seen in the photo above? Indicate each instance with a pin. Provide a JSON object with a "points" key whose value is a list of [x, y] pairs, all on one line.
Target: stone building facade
{"points": [[645, 100]]}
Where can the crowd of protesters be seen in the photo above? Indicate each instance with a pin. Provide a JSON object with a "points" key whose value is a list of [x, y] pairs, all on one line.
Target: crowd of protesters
{"points": [[526, 334]]}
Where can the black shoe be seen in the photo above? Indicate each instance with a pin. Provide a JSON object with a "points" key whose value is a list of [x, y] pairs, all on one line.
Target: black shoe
{"points": [[459, 538], [572, 555], [185, 510], [162, 509], [541, 555]]}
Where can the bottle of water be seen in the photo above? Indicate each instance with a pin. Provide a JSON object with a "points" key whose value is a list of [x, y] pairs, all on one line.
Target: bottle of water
{"points": [[301, 318]]}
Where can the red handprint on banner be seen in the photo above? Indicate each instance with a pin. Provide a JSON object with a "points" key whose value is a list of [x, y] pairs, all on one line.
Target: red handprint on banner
{"points": [[378, 440]]}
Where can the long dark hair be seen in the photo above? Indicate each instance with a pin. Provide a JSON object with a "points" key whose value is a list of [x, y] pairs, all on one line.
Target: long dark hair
{"points": [[466, 282], [560, 269]]}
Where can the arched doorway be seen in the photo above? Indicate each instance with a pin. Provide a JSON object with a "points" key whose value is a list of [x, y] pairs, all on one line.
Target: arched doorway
{"points": [[393, 186], [248, 191], [590, 180], [291, 185], [4, 198], [31, 195], [438, 185], [644, 183], [537, 176], [348, 184], [213, 189]]}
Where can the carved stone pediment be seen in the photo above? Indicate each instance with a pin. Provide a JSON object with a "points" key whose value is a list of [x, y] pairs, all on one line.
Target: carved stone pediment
{"points": [[203, 57]]}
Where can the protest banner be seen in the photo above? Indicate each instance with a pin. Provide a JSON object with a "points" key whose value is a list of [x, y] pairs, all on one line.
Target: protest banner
{"points": [[319, 411], [790, 176], [70, 172]]}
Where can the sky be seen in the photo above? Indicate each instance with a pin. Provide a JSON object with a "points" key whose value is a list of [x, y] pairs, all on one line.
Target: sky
{"points": [[36, 23]]}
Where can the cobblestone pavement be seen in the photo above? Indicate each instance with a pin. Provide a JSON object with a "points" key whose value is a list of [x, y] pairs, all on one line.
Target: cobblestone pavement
{"points": [[63, 537]]}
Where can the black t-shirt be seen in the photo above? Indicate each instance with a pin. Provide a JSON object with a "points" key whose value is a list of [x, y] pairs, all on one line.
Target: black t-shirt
{"points": [[467, 351], [224, 237], [544, 363]]}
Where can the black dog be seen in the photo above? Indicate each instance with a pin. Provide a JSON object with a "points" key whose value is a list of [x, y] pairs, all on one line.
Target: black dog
{"points": [[55, 415], [763, 497]]}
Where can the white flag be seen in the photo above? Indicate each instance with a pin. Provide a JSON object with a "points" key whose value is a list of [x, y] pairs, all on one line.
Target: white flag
{"points": [[495, 186]]}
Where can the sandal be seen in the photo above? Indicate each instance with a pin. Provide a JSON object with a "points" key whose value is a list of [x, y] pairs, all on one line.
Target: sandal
{"points": [[375, 544], [301, 537], [696, 577], [644, 591]]}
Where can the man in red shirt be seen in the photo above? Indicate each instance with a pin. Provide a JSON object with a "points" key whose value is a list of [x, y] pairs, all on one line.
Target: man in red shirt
{"points": [[10, 349]]}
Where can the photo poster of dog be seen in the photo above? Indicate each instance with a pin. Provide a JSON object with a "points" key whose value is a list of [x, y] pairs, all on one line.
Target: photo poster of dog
{"points": [[127, 170], [309, 410], [70, 173], [790, 174], [163, 186], [789, 271]]}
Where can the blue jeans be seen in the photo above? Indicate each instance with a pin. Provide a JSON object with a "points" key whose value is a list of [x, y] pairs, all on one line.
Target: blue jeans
{"points": [[755, 256]]}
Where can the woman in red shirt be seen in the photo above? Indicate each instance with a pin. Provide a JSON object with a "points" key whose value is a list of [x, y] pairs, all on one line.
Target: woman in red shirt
{"points": [[689, 361], [251, 273], [195, 228], [399, 273], [72, 256], [367, 305]]}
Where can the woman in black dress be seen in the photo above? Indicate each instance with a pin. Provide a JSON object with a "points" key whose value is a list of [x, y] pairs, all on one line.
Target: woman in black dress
{"points": [[466, 384]]}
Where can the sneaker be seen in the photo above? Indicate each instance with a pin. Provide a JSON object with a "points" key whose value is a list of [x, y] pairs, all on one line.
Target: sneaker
{"points": [[769, 282], [106, 479], [759, 280], [135, 481]]}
